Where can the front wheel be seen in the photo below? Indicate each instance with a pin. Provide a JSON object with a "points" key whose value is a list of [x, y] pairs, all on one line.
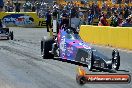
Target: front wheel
{"points": [[115, 60]]}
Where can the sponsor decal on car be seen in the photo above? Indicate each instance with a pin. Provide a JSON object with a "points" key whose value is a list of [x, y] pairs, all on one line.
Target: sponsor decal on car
{"points": [[85, 46], [63, 46]]}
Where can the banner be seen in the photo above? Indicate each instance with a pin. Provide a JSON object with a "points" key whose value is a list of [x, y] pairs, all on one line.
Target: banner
{"points": [[22, 19]]}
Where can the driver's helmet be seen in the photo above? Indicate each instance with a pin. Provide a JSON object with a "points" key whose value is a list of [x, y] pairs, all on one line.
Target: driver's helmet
{"points": [[69, 30]]}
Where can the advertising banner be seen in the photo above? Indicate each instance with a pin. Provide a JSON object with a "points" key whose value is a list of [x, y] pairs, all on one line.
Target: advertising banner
{"points": [[22, 19]]}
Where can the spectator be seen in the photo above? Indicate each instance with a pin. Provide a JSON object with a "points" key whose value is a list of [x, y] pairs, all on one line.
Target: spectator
{"points": [[1, 5], [126, 11], [114, 1], [92, 8], [90, 17], [113, 9], [103, 21], [55, 13], [8, 6], [37, 4], [100, 15], [73, 12], [114, 21], [33, 8], [120, 19], [29, 6], [104, 5], [97, 10], [126, 1], [82, 22], [108, 11], [55, 5], [119, 1], [120, 10], [64, 18], [75, 22], [25, 7], [48, 20], [80, 14], [127, 22], [130, 10], [17, 6]]}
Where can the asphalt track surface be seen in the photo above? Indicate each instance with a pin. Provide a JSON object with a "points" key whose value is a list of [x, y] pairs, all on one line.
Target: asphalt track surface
{"points": [[21, 64]]}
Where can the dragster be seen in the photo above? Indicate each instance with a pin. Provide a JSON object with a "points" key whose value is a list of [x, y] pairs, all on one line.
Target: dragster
{"points": [[5, 34], [68, 45]]}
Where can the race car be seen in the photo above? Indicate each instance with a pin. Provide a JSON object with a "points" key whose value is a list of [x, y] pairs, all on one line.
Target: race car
{"points": [[68, 45], [5, 34]]}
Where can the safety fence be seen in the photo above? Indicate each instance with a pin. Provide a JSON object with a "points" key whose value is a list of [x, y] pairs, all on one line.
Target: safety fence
{"points": [[22, 19], [119, 37]]}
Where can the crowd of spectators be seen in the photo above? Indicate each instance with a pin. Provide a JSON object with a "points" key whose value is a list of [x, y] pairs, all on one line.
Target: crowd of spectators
{"points": [[119, 15], [10, 7], [17, 7]]}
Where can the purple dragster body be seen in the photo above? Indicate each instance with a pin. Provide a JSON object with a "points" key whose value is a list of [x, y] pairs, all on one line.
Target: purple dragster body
{"points": [[70, 44]]}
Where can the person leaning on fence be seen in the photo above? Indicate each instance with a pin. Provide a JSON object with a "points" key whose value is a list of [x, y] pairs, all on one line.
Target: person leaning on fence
{"points": [[115, 20], [103, 21], [127, 22]]}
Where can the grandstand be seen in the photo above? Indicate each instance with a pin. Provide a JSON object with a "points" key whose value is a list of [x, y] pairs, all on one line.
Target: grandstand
{"points": [[100, 2], [78, 2]]}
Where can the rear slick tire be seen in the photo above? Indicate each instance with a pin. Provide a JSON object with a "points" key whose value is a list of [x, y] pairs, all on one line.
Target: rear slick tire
{"points": [[46, 46]]}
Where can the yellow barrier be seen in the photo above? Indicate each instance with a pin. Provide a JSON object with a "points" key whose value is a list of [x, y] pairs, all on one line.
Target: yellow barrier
{"points": [[23, 19], [130, 39], [120, 37]]}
